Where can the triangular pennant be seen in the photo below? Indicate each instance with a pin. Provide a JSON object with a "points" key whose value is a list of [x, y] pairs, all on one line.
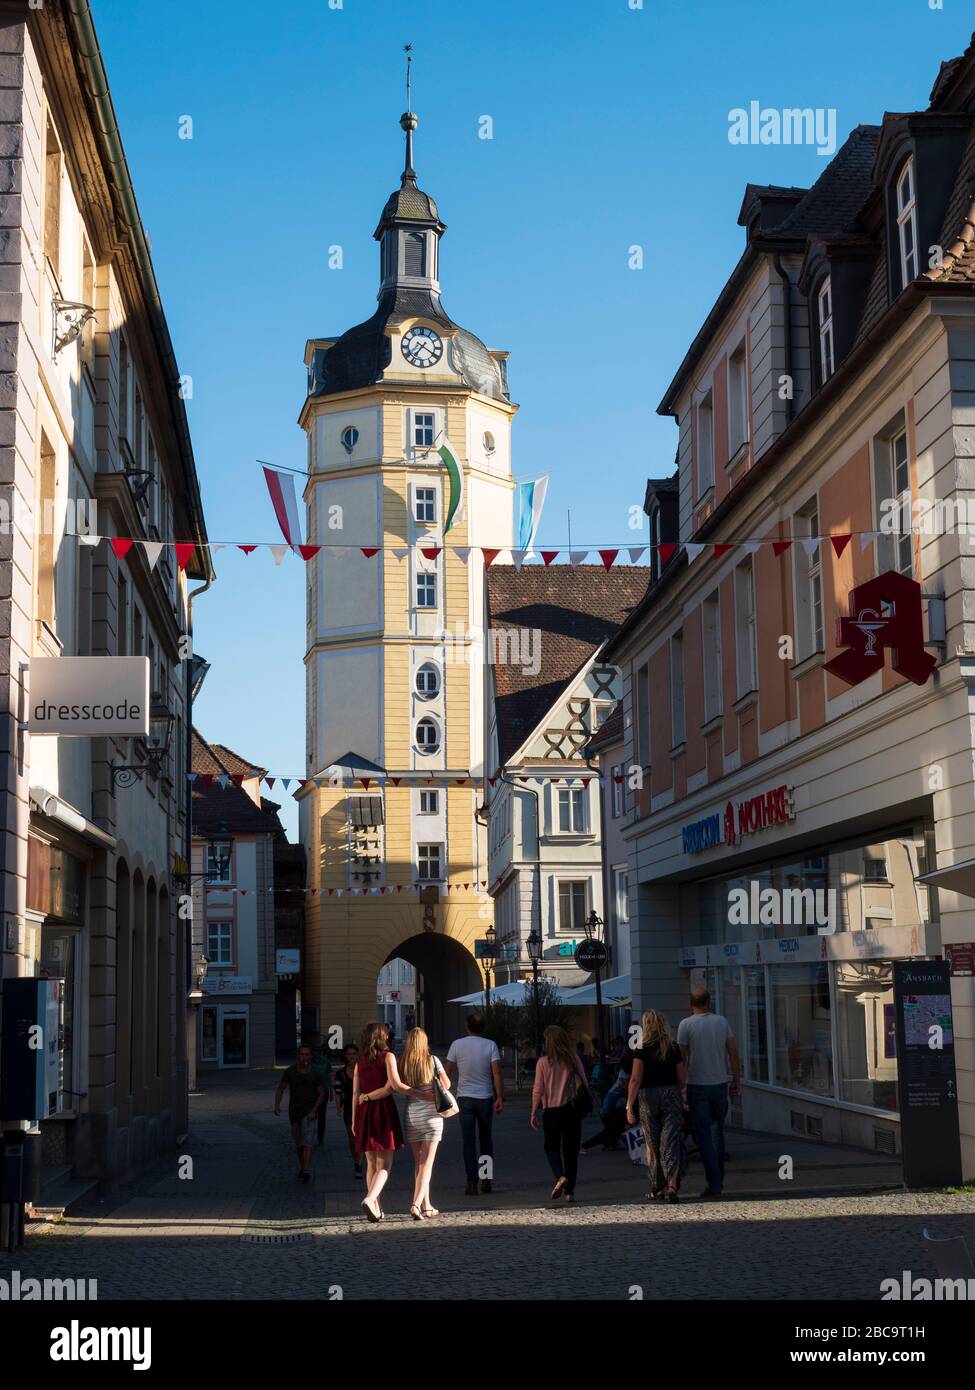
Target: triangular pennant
{"points": [[184, 553], [331, 891], [121, 547], [489, 557], [286, 782], [693, 550], [308, 552], [430, 552], [635, 553], [269, 782], [217, 546], [751, 547], [607, 557], [247, 549], [192, 776], [382, 888], [238, 777], [840, 543], [89, 540], [665, 550], [369, 550], [463, 553], [721, 548], [399, 887], [549, 555], [518, 558], [810, 545], [867, 539], [399, 552], [279, 552], [153, 550], [223, 779], [396, 781], [577, 557], [207, 779], [243, 892], [780, 547]]}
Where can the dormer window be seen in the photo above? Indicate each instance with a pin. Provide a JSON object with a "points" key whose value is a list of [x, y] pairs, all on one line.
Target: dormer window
{"points": [[415, 254], [907, 223], [825, 303]]}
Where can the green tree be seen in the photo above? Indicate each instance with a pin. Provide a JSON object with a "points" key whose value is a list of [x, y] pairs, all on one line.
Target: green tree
{"points": [[501, 1023], [532, 1023]]}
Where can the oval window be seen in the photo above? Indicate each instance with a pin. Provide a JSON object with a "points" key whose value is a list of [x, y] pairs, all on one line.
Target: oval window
{"points": [[427, 736], [427, 681], [350, 438], [488, 442]]}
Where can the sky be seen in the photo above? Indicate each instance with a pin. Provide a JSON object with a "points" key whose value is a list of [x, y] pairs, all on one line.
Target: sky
{"points": [[609, 125]]}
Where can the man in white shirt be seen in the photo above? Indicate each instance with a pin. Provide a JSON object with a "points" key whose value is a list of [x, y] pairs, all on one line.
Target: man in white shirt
{"points": [[708, 1049], [480, 1095]]}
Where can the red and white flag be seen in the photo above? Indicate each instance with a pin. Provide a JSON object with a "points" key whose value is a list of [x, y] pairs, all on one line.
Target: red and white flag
{"points": [[284, 500]]}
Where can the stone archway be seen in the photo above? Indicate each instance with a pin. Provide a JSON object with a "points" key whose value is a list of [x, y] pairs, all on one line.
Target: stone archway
{"points": [[446, 969]]}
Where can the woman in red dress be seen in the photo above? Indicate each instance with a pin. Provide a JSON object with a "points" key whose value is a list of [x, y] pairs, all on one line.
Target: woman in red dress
{"points": [[375, 1120]]}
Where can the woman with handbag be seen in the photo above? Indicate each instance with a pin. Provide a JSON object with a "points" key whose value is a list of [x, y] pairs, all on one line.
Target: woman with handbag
{"points": [[375, 1125], [562, 1092], [420, 1076], [658, 1077]]}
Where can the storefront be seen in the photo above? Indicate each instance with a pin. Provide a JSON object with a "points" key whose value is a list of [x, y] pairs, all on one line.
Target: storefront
{"points": [[797, 952], [225, 1023], [55, 910]]}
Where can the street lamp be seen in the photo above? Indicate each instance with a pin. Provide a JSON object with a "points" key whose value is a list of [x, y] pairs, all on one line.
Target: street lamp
{"points": [[534, 944], [487, 955], [161, 721], [596, 954]]}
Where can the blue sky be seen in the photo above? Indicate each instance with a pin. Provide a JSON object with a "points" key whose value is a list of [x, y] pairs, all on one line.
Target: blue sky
{"points": [[610, 129]]}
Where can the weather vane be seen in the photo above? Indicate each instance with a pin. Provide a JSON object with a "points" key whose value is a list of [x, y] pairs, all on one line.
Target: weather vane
{"points": [[408, 50]]}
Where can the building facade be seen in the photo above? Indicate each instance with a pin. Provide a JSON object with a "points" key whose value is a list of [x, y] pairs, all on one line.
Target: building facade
{"points": [[395, 640], [796, 788], [95, 445], [545, 700], [235, 836]]}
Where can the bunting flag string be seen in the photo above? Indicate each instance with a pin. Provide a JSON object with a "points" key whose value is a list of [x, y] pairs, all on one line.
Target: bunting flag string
{"points": [[606, 556], [207, 780], [380, 889]]}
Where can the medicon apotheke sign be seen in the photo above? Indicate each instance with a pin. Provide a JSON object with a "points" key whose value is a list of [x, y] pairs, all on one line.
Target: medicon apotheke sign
{"points": [[739, 819]]}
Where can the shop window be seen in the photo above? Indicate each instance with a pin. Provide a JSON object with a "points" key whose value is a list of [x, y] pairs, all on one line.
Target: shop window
{"points": [[865, 1025], [756, 1024], [803, 1041]]}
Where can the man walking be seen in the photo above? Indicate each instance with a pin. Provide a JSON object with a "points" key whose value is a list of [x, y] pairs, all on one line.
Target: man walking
{"points": [[708, 1046], [480, 1095], [306, 1094]]}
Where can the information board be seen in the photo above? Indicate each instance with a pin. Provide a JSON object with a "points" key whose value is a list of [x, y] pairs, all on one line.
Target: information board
{"points": [[926, 1087]]}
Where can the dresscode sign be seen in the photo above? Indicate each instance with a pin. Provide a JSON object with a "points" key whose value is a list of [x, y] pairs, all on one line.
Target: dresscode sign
{"points": [[87, 696]]}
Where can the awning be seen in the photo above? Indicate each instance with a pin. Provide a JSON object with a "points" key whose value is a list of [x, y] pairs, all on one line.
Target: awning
{"points": [[510, 994], [616, 991], [957, 878]]}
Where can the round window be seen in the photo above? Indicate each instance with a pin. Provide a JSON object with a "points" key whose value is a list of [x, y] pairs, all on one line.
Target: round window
{"points": [[427, 681], [427, 736], [350, 437]]}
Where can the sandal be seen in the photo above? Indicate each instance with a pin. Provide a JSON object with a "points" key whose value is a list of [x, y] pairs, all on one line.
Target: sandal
{"points": [[430, 1211], [416, 1213], [557, 1189], [369, 1211]]}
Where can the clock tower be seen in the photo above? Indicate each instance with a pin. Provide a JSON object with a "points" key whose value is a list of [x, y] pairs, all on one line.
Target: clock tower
{"points": [[395, 643]]}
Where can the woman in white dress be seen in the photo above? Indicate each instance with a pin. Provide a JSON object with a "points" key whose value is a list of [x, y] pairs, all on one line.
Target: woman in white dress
{"points": [[422, 1126]]}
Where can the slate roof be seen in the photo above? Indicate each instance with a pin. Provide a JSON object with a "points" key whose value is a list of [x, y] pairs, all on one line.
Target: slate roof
{"points": [[831, 206], [575, 609]]}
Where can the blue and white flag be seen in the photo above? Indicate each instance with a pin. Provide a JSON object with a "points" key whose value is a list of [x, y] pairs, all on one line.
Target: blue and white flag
{"points": [[529, 500]]}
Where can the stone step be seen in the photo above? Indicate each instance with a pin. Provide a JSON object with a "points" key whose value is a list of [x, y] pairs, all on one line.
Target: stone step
{"points": [[59, 1192]]}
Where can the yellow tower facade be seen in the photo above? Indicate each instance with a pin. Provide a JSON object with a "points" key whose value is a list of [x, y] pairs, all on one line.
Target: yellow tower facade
{"points": [[408, 420]]}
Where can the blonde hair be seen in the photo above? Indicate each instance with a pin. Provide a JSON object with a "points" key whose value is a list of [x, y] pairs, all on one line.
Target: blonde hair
{"points": [[656, 1034], [416, 1063], [374, 1040], [558, 1047]]}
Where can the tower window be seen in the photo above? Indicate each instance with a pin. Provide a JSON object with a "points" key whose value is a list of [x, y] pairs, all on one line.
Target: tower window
{"points": [[489, 444], [415, 254], [428, 863], [427, 680], [425, 504], [426, 591], [427, 736], [424, 429], [350, 438], [429, 803]]}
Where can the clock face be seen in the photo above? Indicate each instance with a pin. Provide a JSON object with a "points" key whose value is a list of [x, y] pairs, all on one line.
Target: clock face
{"points": [[421, 347]]}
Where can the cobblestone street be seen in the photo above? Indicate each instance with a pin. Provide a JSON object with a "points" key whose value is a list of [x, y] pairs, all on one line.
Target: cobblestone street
{"points": [[243, 1228]]}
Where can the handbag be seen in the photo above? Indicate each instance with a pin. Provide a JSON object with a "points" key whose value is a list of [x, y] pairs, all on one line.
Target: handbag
{"points": [[444, 1102], [581, 1097]]}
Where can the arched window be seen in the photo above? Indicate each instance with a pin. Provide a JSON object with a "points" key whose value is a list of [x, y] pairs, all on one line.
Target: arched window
{"points": [[350, 437], [427, 736], [415, 254]]}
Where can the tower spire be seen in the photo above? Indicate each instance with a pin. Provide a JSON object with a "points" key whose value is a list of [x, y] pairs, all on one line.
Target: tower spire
{"points": [[409, 121]]}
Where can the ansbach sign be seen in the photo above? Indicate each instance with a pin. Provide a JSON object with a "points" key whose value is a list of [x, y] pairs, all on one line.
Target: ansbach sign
{"points": [[82, 696]]}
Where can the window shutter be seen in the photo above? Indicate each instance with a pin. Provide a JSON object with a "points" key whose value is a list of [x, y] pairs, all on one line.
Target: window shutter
{"points": [[415, 259]]}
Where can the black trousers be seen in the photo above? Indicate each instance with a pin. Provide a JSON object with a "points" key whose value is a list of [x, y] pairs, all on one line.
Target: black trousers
{"points": [[562, 1128], [321, 1117]]}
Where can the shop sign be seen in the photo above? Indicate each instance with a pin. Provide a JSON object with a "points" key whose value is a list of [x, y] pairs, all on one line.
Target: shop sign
{"points": [[961, 957], [227, 984], [741, 818], [288, 961], [883, 943], [82, 696], [884, 612], [927, 1091]]}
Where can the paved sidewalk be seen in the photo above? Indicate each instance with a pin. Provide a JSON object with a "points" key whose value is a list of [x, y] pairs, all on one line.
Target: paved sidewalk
{"points": [[243, 1227]]}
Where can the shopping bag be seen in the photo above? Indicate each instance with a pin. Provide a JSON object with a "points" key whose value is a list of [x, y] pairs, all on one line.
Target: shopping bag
{"points": [[636, 1149]]}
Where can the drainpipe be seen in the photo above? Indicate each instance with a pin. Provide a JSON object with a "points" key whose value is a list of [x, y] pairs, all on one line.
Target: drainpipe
{"points": [[783, 275]]}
